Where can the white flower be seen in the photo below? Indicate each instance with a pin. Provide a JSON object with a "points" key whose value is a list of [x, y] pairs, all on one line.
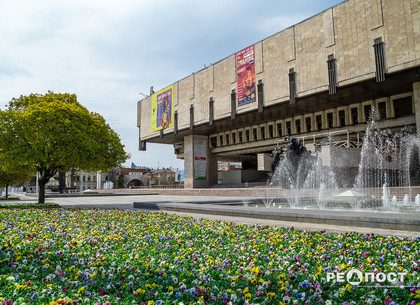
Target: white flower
{"points": [[10, 278]]}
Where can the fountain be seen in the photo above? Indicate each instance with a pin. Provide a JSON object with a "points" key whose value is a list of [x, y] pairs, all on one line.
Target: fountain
{"points": [[384, 173], [108, 185], [13, 191]]}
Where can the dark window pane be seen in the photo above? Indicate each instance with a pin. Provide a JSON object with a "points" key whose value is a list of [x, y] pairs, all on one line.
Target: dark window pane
{"points": [[221, 140], [279, 130], [233, 137], [379, 60], [247, 135], [382, 110], [297, 124], [318, 120], [233, 105], [227, 139], [292, 86], [262, 130], [255, 134], [403, 106], [211, 111], [330, 120], [332, 75], [260, 90], [367, 109], [288, 128], [270, 131], [240, 137], [354, 115], [308, 124], [342, 118]]}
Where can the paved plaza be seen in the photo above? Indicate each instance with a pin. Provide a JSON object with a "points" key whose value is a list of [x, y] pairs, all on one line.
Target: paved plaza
{"points": [[203, 202]]}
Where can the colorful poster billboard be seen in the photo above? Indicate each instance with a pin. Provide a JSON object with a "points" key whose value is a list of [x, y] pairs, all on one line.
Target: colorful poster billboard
{"points": [[163, 109], [245, 69], [179, 175], [200, 159]]}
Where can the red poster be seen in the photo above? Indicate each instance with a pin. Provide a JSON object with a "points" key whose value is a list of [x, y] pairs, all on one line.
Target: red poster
{"points": [[245, 66]]}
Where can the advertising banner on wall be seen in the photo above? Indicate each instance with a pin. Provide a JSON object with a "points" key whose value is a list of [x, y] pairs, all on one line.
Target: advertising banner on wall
{"points": [[163, 109], [179, 175], [200, 159], [245, 69]]}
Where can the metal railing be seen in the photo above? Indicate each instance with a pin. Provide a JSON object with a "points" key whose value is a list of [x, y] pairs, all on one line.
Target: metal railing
{"points": [[351, 139], [173, 186]]}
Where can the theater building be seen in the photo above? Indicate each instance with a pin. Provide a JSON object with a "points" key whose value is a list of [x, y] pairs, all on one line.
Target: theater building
{"points": [[322, 75]]}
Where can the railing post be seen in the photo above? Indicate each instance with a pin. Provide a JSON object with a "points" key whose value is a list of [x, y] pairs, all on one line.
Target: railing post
{"points": [[348, 139]]}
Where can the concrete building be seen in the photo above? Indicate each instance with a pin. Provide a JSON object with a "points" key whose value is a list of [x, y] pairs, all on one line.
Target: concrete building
{"points": [[321, 75]]}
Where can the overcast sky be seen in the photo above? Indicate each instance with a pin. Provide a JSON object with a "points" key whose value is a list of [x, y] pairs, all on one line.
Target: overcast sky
{"points": [[108, 52]]}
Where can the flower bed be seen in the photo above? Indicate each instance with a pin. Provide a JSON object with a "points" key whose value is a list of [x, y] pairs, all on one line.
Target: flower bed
{"points": [[132, 257], [25, 205]]}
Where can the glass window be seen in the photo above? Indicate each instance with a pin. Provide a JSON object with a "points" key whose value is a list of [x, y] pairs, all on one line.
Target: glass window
{"points": [[354, 115], [403, 106]]}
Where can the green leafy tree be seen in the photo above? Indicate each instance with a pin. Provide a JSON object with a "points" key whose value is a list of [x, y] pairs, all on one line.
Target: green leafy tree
{"points": [[8, 178], [53, 132]]}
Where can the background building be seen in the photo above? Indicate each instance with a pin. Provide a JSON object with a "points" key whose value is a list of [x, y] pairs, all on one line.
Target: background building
{"points": [[163, 176], [322, 75]]}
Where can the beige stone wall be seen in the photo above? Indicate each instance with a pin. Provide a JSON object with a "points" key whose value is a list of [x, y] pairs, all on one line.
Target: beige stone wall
{"points": [[347, 31], [223, 86]]}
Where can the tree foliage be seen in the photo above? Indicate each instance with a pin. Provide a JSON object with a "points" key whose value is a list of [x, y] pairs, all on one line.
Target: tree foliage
{"points": [[53, 132]]}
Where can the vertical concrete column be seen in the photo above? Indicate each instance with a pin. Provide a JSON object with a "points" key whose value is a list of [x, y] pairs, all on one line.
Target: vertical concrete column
{"points": [[98, 180], [416, 101], [191, 166]]}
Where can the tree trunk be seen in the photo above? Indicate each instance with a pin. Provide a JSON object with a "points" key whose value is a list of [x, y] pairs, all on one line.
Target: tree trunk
{"points": [[61, 181], [41, 191], [45, 175], [7, 190]]}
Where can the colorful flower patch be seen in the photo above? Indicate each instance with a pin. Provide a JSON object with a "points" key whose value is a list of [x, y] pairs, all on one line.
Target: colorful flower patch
{"points": [[133, 257]]}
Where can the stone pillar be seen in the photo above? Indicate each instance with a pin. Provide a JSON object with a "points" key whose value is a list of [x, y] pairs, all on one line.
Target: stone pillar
{"points": [[200, 165], [416, 102], [98, 180]]}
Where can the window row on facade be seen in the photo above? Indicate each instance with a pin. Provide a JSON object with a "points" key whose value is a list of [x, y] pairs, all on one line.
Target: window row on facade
{"points": [[386, 108]]}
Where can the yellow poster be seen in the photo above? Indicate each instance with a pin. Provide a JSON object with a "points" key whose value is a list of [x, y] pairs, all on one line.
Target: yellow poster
{"points": [[163, 108]]}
